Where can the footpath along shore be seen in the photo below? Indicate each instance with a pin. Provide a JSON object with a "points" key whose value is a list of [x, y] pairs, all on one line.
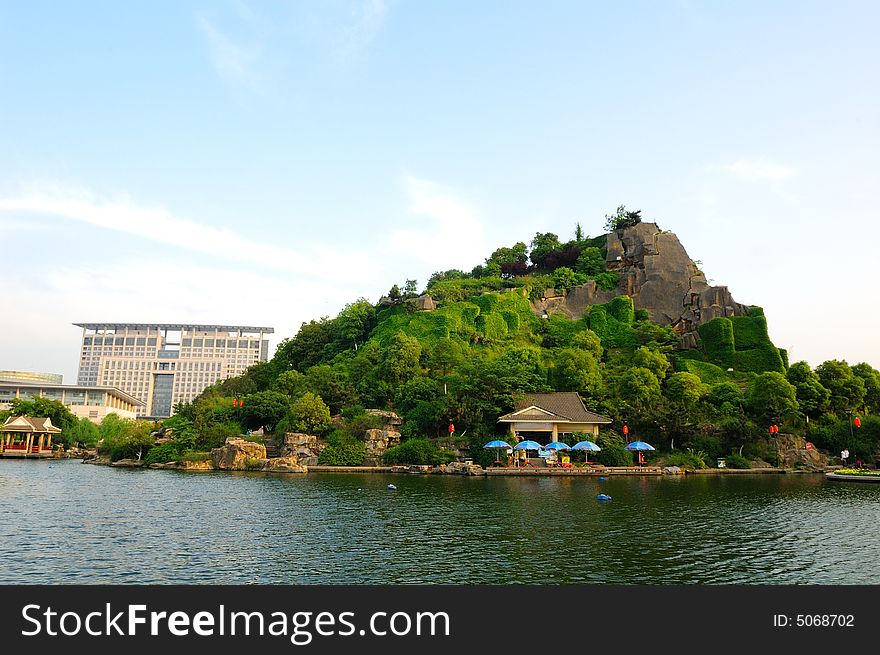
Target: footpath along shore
{"points": [[594, 471], [455, 468]]}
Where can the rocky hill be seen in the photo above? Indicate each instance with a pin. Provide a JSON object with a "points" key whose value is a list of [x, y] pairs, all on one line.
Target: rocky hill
{"points": [[655, 271]]}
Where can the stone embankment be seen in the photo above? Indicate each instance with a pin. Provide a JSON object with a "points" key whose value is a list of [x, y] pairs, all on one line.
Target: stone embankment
{"points": [[242, 455]]}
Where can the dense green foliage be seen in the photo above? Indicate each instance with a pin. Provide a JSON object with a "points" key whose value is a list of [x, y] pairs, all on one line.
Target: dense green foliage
{"points": [[345, 454], [124, 438], [417, 451], [487, 343]]}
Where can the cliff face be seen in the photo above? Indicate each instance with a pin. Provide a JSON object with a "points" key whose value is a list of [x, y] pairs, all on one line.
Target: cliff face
{"points": [[660, 277]]}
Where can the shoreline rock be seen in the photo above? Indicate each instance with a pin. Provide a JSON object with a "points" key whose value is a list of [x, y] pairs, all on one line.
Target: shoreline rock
{"points": [[128, 463], [238, 455], [204, 465]]}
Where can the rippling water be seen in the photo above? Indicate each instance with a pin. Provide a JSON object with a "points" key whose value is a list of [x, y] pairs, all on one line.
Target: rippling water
{"points": [[65, 522]]}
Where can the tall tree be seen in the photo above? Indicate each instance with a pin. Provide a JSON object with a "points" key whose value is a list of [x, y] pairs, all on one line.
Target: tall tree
{"points": [[400, 360], [871, 378], [354, 322], [772, 398], [812, 397], [541, 247], [846, 389]]}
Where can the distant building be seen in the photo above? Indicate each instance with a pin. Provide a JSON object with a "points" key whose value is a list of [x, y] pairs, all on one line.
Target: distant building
{"points": [[30, 377], [537, 415], [93, 403], [161, 364]]}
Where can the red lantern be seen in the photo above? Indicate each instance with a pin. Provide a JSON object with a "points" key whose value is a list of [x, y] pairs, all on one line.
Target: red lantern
{"points": [[625, 429], [857, 421]]}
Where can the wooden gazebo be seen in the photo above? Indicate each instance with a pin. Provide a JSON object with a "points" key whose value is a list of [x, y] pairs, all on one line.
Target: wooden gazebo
{"points": [[27, 436]]}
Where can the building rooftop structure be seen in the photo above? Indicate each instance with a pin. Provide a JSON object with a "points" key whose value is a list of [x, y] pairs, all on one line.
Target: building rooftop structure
{"points": [[31, 376], [91, 402], [171, 327], [561, 407]]}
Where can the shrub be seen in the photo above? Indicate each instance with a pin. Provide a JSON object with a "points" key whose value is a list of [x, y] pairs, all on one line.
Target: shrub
{"points": [[615, 455], [614, 452], [710, 446], [764, 359], [169, 451], [357, 426], [717, 340], [417, 451], [607, 281], [759, 449], [749, 331], [194, 456], [689, 459], [621, 308], [736, 461], [214, 436], [486, 302], [346, 454], [493, 326]]}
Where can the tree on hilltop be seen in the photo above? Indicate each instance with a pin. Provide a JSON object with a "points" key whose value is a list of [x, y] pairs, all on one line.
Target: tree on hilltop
{"points": [[622, 219]]}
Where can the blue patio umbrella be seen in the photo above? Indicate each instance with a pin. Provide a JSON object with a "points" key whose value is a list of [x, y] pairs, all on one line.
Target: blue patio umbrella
{"points": [[639, 446], [497, 444], [528, 445], [587, 447], [557, 445]]}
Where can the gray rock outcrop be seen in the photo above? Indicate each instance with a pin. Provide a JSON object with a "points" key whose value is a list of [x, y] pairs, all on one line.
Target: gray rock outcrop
{"points": [[238, 455], [655, 270], [792, 452], [377, 442], [284, 465], [389, 418], [306, 448], [426, 303]]}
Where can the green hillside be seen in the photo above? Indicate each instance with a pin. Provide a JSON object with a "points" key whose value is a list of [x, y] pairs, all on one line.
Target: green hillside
{"points": [[465, 362]]}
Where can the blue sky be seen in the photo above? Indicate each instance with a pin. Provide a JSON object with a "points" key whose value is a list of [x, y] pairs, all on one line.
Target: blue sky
{"points": [[265, 163]]}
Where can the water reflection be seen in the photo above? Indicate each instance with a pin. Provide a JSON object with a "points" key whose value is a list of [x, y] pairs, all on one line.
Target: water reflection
{"points": [[65, 522]]}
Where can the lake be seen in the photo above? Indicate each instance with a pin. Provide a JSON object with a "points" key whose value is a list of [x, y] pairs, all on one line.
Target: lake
{"points": [[65, 522]]}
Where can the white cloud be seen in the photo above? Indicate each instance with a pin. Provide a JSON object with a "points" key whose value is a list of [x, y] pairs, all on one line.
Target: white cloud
{"points": [[120, 214], [232, 60], [151, 290], [366, 20], [9, 225], [759, 170], [454, 234]]}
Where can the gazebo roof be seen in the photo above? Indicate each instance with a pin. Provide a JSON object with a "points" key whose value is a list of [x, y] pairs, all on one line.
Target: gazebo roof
{"points": [[558, 407], [30, 424]]}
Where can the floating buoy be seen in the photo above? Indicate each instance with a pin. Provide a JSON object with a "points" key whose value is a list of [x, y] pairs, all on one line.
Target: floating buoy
{"points": [[603, 497], [601, 478], [391, 487]]}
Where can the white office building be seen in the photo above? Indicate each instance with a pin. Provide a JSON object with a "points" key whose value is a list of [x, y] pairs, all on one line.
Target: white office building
{"points": [[161, 364]]}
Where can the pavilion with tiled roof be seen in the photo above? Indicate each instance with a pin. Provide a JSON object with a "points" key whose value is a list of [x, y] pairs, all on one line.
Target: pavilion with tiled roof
{"points": [[552, 413], [27, 436]]}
